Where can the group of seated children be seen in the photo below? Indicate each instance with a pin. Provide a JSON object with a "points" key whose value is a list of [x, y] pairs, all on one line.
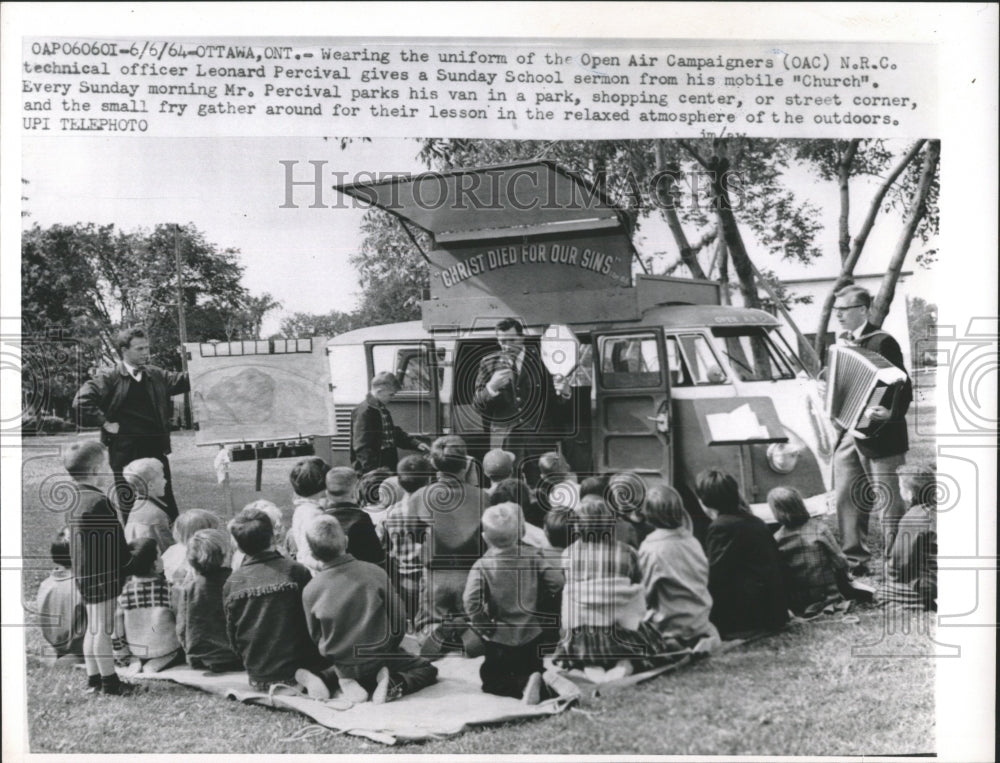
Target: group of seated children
{"points": [[614, 581]]}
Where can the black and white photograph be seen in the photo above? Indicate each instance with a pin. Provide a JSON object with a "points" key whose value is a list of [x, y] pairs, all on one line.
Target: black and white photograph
{"points": [[500, 394]]}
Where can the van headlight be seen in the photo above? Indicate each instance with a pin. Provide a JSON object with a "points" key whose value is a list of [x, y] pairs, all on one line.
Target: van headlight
{"points": [[783, 456]]}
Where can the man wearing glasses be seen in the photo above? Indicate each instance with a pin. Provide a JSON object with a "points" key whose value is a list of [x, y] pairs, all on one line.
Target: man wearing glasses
{"points": [[864, 469]]}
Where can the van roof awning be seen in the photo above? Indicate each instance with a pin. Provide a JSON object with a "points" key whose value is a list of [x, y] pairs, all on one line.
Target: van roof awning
{"points": [[525, 198]]}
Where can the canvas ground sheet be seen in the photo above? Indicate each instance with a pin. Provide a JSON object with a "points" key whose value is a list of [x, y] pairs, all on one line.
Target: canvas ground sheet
{"points": [[454, 704]]}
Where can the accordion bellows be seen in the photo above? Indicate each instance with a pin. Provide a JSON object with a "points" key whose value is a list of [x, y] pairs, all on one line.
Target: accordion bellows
{"points": [[859, 379]]}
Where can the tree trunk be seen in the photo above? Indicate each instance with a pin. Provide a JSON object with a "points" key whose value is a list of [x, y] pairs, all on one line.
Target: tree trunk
{"points": [[723, 271], [688, 256], [844, 177], [918, 208], [847, 267]]}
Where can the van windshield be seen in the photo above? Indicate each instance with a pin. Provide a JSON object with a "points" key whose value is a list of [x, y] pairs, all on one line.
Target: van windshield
{"points": [[756, 353]]}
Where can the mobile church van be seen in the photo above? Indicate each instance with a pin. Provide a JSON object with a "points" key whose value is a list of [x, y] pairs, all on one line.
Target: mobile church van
{"points": [[663, 379]]}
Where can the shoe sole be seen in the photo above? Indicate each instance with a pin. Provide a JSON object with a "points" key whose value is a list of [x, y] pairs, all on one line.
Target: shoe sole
{"points": [[314, 686], [381, 693]]}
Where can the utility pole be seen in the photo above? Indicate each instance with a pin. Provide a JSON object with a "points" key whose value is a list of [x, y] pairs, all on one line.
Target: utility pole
{"points": [[182, 323]]}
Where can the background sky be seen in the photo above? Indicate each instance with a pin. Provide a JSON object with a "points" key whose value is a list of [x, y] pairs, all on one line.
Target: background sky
{"points": [[233, 188]]}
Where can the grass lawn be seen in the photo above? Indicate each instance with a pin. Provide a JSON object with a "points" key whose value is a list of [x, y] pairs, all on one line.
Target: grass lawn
{"points": [[801, 692]]}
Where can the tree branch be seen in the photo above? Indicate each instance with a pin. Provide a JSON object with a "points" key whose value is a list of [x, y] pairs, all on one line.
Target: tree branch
{"points": [[847, 267], [918, 208]]}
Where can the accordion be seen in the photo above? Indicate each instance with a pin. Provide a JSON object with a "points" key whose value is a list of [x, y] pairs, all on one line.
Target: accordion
{"points": [[858, 379]]}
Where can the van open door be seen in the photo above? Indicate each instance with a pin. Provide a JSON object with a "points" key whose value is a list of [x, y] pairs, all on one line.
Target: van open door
{"points": [[632, 426], [416, 408]]}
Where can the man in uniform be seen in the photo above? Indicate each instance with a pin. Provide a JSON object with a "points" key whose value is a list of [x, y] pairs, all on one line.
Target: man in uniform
{"points": [[517, 396], [131, 403], [374, 437], [864, 469]]}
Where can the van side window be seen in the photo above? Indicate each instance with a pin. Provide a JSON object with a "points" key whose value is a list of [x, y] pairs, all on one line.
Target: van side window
{"points": [[699, 363], [629, 361], [408, 363]]}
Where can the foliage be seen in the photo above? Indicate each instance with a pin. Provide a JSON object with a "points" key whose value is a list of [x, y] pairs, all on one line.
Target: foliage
{"points": [[303, 325], [81, 283], [922, 318]]}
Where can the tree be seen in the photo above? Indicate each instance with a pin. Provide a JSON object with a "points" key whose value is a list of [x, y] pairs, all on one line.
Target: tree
{"points": [[921, 317], [81, 283], [841, 161], [304, 325]]}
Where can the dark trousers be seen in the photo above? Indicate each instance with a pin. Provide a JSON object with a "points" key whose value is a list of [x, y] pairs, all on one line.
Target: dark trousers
{"points": [[506, 669], [415, 673], [121, 455]]}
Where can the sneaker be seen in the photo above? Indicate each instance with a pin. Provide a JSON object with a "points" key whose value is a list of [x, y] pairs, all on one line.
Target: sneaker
{"points": [[313, 684], [532, 690], [559, 684], [352, 691], [387, 689], [622, 669], [118, 688]]}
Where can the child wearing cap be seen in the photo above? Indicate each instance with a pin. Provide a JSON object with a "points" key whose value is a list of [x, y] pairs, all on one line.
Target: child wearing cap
{"points": [[510, 596], [498, 465], [61, 611]]}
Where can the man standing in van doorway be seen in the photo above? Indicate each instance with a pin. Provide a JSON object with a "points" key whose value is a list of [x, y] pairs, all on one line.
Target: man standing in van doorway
{"points": [[517, 396], [864, 469], [131, 403]]}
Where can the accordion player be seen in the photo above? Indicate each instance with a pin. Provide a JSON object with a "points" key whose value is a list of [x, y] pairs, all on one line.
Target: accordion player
{"points": [[857, 380]]}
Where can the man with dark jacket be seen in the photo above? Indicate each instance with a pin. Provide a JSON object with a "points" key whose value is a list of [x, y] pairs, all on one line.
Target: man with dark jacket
{"points": [[517, 396], [864, 469], [131, 404], [374, 436]]}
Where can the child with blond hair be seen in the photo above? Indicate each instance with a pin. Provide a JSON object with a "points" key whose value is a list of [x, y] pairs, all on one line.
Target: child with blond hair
{"points": [[148, 517], [175, 566], [511, 597]]}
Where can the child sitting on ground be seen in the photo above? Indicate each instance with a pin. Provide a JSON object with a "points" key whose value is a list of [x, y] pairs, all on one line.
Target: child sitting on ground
{"points": [[277, 526], [101, 561], [342, 505], [744, 568], [814, 567], [201, 618], [357, 622], [148, 519], [675, 572], [603, 604], [308, 478], [513, 490], [403, 533], [626, 494], [911, 563], [263, 603], [175, 566], [510, 594], [146, 620], [498, 465], [61, 613], [375, 495]]}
